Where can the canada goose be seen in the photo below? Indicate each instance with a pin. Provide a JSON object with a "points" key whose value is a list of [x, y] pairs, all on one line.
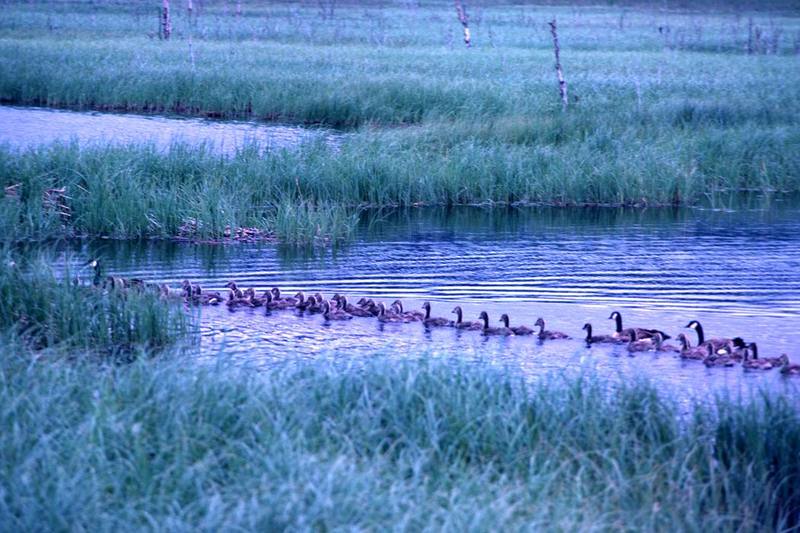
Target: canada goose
{"points": [[186, 289], [412, 315], [460, 324], [352, 309], [641, 333], [752, 353], [276, 296], [659, 346], [719, 360], [370, 306], [752, 362], [434, 321], [252, 300], [788, 368], [486, 330], [717, 344], [738, 348], [94, 264], [546, 335], [384, 317], [235, 292], [214, 298], [635, 344], [689, 352], [518, 330], [591, 339], [268, 300], [114, 283], [333, 314], [302, 303]]}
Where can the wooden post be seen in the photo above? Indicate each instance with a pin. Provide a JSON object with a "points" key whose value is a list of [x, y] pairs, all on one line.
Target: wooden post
{"points": [[562, 83], [464, 20], [166, 24]]}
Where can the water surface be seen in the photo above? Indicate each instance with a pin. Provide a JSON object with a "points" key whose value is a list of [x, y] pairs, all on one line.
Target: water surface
{"points": [[31, 127], [737, 272]]}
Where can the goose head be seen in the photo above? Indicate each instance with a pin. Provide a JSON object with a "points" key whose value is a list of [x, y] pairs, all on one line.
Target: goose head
{"points": [[504, 319]]}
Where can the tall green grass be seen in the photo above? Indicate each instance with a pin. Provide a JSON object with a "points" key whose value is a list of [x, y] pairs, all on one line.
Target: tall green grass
{"points": [[45, 309], [381, 444], [314, 194]]}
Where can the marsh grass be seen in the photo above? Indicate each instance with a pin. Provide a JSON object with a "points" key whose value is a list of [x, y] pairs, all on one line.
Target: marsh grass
{"points": [[45, 309], [655, 122], [315, 194], [379, 443]]}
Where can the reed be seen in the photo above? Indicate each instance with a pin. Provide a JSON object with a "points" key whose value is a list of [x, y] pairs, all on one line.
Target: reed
{"points": [[313, 194], [46, 309], [424, 444]]}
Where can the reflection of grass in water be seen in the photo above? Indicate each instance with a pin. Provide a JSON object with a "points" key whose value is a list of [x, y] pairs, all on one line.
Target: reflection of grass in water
{"points": [[46, 311], [321, 445]]}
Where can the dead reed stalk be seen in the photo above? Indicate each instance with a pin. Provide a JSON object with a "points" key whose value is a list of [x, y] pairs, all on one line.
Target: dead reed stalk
{"points": [[562, 83]]}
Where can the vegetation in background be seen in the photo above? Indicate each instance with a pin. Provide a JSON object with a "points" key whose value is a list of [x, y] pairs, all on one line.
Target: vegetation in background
{"points": [[411, 445], [669, 107]]}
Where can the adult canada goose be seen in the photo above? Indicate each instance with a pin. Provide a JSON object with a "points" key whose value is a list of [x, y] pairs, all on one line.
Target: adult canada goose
{"points": [[547, 335], [689, 352], [461, 324], [385, 317], [635, 344], [486, 330], [352, 309], [413, 315], [591, 339], [718, 345], [788, 368], [641, 333], [434, 321], [94, 264], [333, 314], [518, 330]]}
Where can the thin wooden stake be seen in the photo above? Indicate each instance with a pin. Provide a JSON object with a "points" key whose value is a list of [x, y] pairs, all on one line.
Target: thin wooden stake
{"points": [[166, 24], [562, 83], [463, 18]]}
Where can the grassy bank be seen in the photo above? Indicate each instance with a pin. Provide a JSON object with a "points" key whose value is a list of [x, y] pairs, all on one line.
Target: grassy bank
{"points": [[44, 309], [668, 107], [314, 194], [384, 444]]}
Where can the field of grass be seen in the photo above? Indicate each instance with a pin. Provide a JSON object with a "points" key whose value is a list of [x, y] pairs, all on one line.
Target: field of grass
{"points": [[657, 116], [380, 444]]}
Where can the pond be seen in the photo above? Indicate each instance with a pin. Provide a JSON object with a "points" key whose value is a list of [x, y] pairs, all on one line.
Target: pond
{"points": [[30, 127], [738, 272]]}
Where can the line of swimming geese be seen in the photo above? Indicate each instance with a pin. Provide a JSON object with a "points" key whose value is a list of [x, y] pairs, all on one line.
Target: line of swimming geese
{"points": [[714, 352]]}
